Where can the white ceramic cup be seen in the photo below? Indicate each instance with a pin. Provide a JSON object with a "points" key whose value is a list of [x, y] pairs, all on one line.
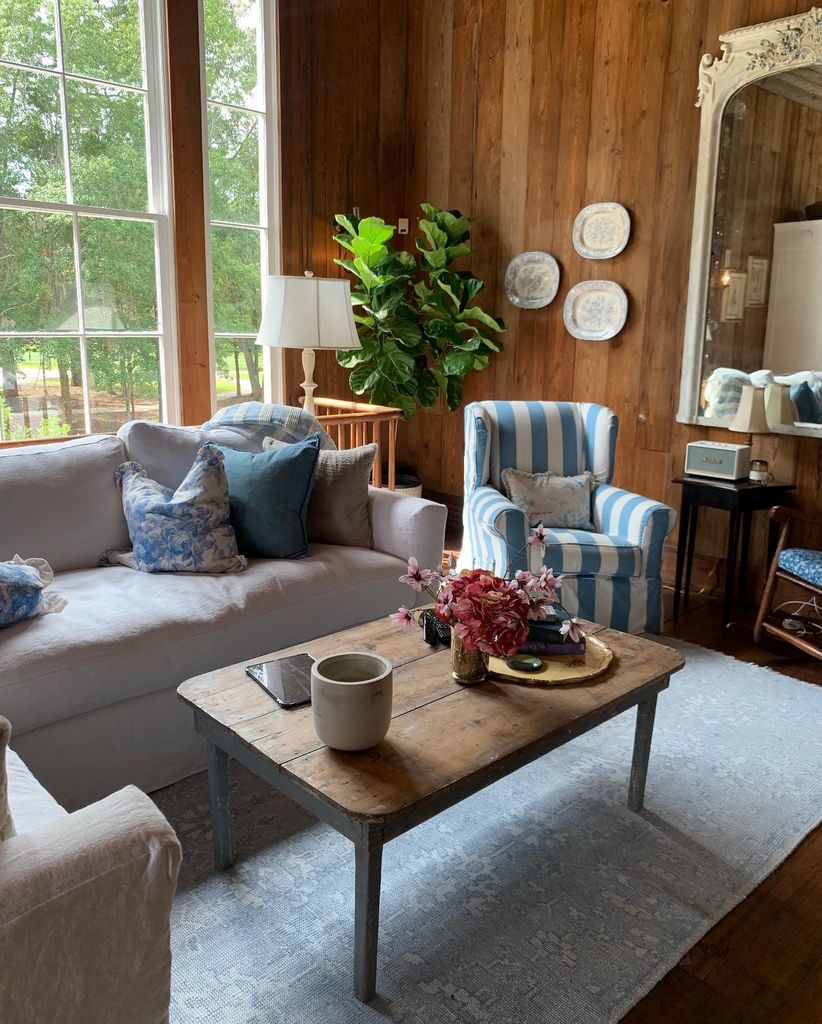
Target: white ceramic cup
{"points": [[351, 697]]}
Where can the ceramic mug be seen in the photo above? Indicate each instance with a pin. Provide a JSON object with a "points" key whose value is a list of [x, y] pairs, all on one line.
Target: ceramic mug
{"points": [[758, 473], [351, 697]]}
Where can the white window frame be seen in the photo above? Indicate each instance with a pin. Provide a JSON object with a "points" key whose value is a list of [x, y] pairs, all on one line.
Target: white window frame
{"points": [[158, 166], [270, 201]]}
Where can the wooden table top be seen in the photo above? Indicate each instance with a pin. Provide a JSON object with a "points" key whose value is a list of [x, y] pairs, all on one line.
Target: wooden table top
{"points": [[441, 733]]}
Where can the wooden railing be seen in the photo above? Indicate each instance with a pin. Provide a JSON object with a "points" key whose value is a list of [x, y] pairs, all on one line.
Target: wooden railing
{"points": [[351, 424]]}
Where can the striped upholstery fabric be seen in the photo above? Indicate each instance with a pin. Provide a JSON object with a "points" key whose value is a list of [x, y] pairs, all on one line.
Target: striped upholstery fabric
{"points": [[612, 576]]}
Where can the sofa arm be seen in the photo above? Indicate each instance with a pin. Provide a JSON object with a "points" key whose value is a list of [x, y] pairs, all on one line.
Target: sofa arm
{"points": [[638, 520], [84, 915], [497, 532], [406, 526]]}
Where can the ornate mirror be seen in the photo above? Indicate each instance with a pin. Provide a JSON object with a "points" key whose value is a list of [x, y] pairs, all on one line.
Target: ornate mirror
{"points": [[755, 290]]}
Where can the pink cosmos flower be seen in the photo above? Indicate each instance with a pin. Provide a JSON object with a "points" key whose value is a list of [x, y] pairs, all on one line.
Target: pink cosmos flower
{"points": [[538, 537], [417, 578], [573, 630], [403, 618]]}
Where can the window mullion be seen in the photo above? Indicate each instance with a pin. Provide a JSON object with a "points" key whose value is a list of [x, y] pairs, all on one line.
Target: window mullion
{"points": [[81, 320], [58, 34]]}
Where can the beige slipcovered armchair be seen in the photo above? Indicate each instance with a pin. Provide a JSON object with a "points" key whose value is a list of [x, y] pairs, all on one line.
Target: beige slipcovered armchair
{"points": [[84, 906]]}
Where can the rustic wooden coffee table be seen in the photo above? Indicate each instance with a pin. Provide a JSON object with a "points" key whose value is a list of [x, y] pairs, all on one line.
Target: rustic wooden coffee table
{"points": [[445, 743]]}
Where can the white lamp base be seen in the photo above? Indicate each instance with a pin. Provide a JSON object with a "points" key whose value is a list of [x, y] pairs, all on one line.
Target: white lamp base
{"points": [[308, 385]]}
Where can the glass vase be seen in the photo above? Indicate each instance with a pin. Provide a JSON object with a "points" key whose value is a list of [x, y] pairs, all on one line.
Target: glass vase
{"points": [[468, 668]]}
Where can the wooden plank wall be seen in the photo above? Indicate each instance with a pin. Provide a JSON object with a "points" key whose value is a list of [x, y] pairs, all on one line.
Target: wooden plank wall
{"points": [[519, 113]]}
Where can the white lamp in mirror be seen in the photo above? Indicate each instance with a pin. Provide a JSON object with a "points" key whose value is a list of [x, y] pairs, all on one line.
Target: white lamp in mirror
{"points": [[750, 415], [307, 313]]}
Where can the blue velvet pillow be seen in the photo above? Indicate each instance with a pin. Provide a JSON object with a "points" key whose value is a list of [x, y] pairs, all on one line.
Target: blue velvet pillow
{"points": [[268, 494], [808, 406]]}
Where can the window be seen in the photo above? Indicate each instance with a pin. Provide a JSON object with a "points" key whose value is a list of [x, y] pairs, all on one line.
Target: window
{"points": [[84, 235], [239, 72]]}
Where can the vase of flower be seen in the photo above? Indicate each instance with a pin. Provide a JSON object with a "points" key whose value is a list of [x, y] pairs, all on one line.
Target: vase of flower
{"points": [[468, 668]]}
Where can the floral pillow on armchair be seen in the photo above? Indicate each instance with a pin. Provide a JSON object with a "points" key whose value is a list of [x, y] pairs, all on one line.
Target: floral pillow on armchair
{"points": [[187, 530]]}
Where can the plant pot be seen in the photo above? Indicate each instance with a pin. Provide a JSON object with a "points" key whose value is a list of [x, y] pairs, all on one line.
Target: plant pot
{"points": [[351, 698], [468, 668]]}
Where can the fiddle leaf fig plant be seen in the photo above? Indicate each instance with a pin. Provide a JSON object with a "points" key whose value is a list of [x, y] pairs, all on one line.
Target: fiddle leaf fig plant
{"points": [[419, 327]]}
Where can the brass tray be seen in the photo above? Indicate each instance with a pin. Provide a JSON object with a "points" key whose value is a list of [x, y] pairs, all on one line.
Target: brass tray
{"points": [[559, 669]]}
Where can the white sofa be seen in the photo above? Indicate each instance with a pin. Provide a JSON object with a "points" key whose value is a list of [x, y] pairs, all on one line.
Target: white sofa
{"points": [[91, 690], [85, 900]]}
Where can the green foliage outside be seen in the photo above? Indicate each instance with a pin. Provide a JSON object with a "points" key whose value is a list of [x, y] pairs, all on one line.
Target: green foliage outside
{"points": [[420, 329], [107, 146]]}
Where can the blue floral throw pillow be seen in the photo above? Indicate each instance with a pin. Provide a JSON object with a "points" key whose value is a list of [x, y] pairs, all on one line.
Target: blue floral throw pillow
{"points": [[22, 583], [186, 530]]}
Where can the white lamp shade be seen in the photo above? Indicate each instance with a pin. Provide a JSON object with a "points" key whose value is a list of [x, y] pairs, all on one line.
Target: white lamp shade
{"points": [[307, 312], [750, 416]]}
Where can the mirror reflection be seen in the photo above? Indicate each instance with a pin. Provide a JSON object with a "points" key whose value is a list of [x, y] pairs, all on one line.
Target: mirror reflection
{"points": [[764, 318]]}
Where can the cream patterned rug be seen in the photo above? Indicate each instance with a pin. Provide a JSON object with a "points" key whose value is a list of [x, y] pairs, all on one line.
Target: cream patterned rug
{"points": [[542, 899]]}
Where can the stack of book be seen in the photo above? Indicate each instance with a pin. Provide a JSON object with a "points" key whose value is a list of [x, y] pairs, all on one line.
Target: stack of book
{"points": [[544, 637]]}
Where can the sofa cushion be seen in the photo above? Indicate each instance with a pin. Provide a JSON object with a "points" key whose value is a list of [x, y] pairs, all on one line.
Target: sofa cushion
{"points": [[182, 530], [60, 502], [125, 633], [269, 494], [31, 805], [166, 453], [581, 552]]}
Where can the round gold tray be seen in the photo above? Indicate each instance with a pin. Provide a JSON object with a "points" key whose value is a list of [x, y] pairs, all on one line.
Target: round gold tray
{"points": [[559, 669]]}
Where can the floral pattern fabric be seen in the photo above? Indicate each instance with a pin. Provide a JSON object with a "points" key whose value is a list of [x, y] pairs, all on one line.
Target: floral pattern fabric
{"points": [[187, 530], [22, 582], [805, 564], [553, 500]]}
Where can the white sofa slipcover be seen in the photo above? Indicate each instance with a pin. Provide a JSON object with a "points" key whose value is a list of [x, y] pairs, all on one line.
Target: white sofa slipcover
{"points": [[92, 689], [85, 900]]}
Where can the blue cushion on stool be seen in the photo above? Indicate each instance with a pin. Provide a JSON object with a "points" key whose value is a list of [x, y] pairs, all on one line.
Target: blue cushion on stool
{"points": [[805, 564]]}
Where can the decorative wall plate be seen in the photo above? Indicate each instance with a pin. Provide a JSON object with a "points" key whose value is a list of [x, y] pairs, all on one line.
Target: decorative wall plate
{"points": [[532, 280], [559, 669], [601, 231], [595, 310]]}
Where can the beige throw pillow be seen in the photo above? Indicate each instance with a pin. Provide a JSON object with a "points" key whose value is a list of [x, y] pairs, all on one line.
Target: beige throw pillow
{"points": [[6, 823], [562, 502], [338, 507]]}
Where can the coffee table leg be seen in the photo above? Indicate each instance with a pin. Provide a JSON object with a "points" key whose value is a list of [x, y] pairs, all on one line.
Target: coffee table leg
{"points": [[642, 751], [368, 872], [218, 795]]}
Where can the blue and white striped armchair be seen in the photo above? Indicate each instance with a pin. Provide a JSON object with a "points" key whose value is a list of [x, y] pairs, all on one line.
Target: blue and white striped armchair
{"points": [[612, 576]]}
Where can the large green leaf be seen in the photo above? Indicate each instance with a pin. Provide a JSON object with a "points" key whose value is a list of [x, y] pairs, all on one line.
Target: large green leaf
{"points": [[434, 260], [427, 388], [349, 357], [453, 393], [366, 274], [457, 364], [375, 230], [437, 238], [454, 252], [478, 314], [349, 223], [358, 380], [397, 366], [406, 331]]}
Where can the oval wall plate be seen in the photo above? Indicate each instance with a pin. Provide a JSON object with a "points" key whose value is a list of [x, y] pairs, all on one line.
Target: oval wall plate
{"points": [[595, 310], [601, 231], [532, 280]]}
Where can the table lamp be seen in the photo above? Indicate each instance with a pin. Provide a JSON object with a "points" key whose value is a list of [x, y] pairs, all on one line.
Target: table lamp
{"points": [[750, 415], [307, 313]]}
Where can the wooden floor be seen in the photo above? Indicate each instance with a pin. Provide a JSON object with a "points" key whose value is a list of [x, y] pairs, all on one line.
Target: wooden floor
{"points": [[762, 964]]}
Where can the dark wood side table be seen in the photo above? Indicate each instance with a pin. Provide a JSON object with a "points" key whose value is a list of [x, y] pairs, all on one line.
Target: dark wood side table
{"points": [[739, 497]]}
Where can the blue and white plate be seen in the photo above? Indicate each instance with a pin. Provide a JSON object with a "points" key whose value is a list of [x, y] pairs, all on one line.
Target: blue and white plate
{"points": [[601, 231], [595, 310], [532, 280]]}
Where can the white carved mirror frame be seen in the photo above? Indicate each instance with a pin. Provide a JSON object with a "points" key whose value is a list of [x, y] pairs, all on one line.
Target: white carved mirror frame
{"points": [[748, 55]]}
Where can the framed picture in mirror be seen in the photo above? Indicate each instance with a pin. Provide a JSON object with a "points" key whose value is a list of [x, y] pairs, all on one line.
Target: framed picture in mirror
{"points": [[733, 296], [757, 280]]}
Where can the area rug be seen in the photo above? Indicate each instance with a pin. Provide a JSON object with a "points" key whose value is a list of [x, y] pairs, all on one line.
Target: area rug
{"points": [[542, 899]]}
